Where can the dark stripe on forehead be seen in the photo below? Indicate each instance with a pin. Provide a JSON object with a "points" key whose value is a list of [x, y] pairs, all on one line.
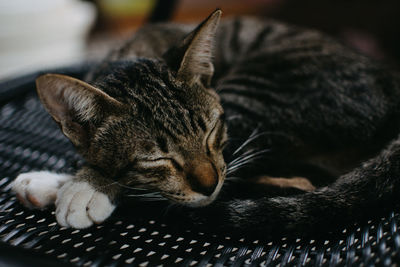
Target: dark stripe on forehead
{"points": [[192, 120], [149, 89], [162, 144], [172, 133], [201, 123], [162, 123]]}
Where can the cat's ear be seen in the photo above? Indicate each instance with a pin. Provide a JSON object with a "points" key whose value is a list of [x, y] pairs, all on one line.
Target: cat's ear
{"points": [[193, 56], [74, 105]]}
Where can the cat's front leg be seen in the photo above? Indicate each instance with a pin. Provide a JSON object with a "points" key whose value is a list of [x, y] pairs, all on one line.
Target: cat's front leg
{"points": [[38, 189], [300, 183], [85, 200]]}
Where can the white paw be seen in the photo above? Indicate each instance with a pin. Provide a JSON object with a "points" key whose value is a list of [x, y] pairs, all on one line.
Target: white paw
{"points": [[38, 189], [79, 205]]}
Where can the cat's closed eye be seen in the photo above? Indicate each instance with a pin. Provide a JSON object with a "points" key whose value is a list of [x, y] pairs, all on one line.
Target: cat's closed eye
{"points": [[162, 161], [216, 139]]}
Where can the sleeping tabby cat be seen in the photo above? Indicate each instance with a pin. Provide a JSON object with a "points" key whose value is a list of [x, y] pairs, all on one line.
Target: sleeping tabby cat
{"points": [[306, 117]]}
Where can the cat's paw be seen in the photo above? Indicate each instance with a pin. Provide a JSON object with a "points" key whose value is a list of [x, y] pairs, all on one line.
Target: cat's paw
{"points": [[79, 205], [38, 189]]}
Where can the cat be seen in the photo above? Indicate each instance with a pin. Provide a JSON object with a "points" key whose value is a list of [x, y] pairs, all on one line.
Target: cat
{"points": [[178, 111]]}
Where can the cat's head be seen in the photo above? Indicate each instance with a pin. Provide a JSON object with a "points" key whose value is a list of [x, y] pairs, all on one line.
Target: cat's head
{"points": [[149, 122]]}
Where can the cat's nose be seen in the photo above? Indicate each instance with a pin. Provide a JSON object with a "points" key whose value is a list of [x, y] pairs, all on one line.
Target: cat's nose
{"points": [[202, 177]]}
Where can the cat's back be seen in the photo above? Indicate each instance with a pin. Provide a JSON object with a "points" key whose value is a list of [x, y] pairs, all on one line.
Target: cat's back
{"points": [[243, 41], [236, 38], [283, 77], [264, 54]]}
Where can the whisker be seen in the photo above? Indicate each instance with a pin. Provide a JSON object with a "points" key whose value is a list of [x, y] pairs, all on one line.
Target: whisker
{"points": [[233, 117], [150, 196], [248, 157], [243, 162], [138, 188], [246, 142], [132, 188], [254, 135], [232, 178], [143, 195], [152, 199], [107, 185], [147, 198], [242, 156], [236, 167]]}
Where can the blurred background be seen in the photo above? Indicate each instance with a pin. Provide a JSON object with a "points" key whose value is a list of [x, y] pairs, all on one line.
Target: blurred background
{"points": [[49, 33]]}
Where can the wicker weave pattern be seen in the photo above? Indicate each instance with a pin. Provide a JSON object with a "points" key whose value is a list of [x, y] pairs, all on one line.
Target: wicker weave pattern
{"points": [[30, 140]]}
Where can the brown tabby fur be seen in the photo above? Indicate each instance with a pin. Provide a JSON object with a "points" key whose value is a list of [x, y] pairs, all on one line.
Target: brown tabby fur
{"points": [[294, 103]]}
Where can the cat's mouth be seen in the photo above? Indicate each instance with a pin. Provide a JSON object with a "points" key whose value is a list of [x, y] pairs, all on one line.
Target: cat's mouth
{"points": [[192, 198]]}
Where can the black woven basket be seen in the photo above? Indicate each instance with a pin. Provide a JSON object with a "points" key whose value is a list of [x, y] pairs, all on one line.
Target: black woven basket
{"points": [[30, 140]]}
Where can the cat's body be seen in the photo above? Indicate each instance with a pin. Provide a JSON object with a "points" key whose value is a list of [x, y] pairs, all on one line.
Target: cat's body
{"points": [[296, 104], [268, 73]]}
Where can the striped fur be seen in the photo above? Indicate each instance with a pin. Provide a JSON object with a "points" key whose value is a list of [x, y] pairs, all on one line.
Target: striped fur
{"points": [[294, 102]]}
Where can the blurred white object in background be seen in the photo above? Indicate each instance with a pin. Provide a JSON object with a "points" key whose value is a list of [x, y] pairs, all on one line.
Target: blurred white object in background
{"points": [[42, 33]]}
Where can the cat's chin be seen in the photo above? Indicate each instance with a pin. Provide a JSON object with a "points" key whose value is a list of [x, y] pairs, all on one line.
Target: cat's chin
{"points": [[194, 199], [200, 201]]}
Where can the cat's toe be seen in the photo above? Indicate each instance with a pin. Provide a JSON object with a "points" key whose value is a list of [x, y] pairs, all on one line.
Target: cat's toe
{"points": [[39, 202], [100, 207], [77, 216], [35, 189], [79, 205], [68, 214]]}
